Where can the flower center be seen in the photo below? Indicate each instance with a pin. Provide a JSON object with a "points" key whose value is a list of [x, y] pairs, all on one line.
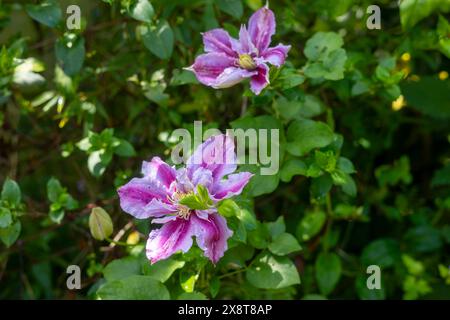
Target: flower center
{"points": [[246, 62], [183, 211]]}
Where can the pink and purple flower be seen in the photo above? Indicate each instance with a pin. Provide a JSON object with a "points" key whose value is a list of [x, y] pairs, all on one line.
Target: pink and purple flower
{"points": [[159, 195], [228, 61]]}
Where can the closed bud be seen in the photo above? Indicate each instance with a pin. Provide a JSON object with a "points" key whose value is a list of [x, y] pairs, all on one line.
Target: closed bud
{"points": [[100, 224]]}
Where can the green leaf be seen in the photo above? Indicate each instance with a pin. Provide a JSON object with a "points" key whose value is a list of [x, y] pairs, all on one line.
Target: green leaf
{"points": [[192, 296], [308, 107], [214, 286], [350, 187], [5, 218], [322, 44], [443, 31], [412, 11], [325, 160], [393, 174], [284, 244], [260, 184], [187, 281], [441, 177], [161, 270], [158, 39], [10, 234], [11, 192], [334, 65], [290, 78], [57, 215], [183, 77], [328, 272], [54, 189], [48, 13], [199, 201], [310, 225], [272, 272], [260, 236], [70, 53], [97, 163], [233, 7], [345, 165], [414, 267], [429, 96], [100, 224], [339, 177], [423, 239], [306, 135], [247, 218], [381, 252], [203, 195], [292, 167], [348, 212], [321, 186], [238, 228], [142, 10], [134, 287], [277, 227], [415, 287], [228, 208], [326, 57], [122, 268], [125, 149], [237, 255]]}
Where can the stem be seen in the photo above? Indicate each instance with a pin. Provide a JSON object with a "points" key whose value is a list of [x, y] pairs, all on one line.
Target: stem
{"points": [[119, 243], [233, 273]]}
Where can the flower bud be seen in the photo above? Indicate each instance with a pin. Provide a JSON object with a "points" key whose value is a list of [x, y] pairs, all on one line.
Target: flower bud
{"points": [[100, 224]]}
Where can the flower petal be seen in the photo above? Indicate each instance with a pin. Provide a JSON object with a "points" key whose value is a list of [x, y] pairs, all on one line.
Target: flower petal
{"points": [[173, 236], [216, 154], [165, 219], [276, 55], [208, 67], [231, 76], [157, 169], [261, 27], [136, 197], [212, 235], [245, 44], [184, 183], [202, 176], [232, 186], [219, 41], [157, 208], [261, 80]]}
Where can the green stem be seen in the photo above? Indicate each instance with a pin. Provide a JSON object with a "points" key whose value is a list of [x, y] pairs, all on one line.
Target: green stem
{"points": [[119, 243], [233, 273]]}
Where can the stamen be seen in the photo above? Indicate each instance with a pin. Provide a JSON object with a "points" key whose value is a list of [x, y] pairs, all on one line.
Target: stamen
{"points": [[246, 62], [183, 211]]}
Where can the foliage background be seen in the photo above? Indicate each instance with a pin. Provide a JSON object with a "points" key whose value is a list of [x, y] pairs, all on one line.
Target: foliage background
{"points": [[365, 170]]}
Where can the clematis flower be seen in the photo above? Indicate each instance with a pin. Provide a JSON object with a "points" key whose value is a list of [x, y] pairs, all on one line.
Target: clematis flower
{"points": [[228, 61], [162, 194]]}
